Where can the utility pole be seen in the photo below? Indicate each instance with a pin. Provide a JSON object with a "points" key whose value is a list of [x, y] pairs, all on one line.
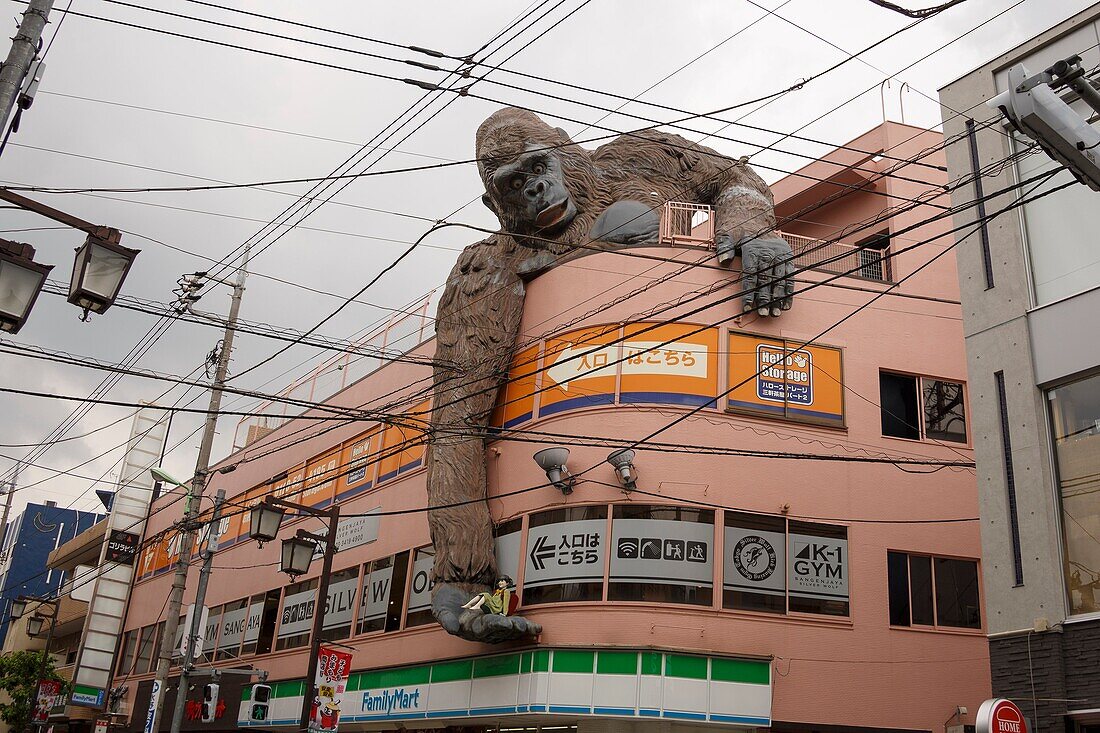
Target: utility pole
{"points": [[194, 495], [195, 633], [23, 49]]}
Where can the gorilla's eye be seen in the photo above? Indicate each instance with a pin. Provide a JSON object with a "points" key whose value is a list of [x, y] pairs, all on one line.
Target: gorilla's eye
{"points": [[516, 183], [538, 169]]}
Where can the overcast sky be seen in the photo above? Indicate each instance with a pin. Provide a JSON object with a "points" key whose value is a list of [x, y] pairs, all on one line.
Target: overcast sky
{"points": [[87, 129]]}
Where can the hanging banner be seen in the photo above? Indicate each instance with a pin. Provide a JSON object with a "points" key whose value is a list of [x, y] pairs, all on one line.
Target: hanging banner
{"points": [[565, 552], [755, 561], [662, 551], [780, 377], [818, 567], [333, 667], [48, 692], [669, 364]]}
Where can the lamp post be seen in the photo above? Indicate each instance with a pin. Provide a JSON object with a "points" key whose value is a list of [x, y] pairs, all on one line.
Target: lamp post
{"points": [[34, 629], [297, 554], [98, 271]]}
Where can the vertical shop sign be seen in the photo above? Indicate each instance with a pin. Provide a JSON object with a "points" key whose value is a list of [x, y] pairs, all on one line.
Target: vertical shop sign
{"points": [[755, 561], [565, 552], [662, 551], [333, 667], [818, 567]]}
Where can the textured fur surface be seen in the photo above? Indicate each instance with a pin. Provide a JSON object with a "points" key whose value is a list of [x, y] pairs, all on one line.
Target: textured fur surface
{"points": [[478, 319]]}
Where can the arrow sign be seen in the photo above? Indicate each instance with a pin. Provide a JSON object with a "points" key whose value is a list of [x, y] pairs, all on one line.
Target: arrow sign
{"points": [[541, 552], [582, 363]]}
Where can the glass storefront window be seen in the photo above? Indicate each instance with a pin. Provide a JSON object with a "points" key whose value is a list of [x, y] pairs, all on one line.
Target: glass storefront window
{"points": [[420, 595], [755, 567], [817, 568], [231, 629], [343, 589], [1075, 417], [565, 555], [662, 554], [299, 605]]}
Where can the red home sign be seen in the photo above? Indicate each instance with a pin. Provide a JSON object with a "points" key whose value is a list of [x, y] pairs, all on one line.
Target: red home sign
{"points": [[1000, 716]]}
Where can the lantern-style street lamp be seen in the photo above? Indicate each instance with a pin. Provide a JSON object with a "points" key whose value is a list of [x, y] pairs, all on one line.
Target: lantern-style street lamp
{"points": [[21, 281], [34, 625], [18, 607], [297, 556], [264, 521], [98, 272]]}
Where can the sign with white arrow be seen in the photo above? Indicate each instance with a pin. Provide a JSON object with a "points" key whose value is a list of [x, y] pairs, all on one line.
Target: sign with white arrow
{"points": [[565, 552], [580, 361]]}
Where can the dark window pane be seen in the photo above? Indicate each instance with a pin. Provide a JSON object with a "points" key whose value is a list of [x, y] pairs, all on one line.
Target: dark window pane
{"points": [[920, 572], [397, 591], [957, 593], [129, 651], [872, 256], [145, 650], [267, 622], [838, 564], [420, 595], [898, 400], [375, 598], [944, 413], [897, 568]]}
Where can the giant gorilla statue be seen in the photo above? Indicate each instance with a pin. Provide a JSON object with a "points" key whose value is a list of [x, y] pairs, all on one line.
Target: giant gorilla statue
{"points": [[556, 200]]}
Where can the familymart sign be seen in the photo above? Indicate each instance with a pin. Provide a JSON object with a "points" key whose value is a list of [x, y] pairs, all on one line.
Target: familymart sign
{"points": [[599, 683]]}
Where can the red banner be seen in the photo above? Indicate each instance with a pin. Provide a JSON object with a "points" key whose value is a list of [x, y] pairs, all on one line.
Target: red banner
{"points": [[333, 668], [48, 692]]}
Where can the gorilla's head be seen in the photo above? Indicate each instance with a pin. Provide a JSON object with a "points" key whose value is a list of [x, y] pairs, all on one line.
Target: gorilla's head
{"points": [[536, 179]]}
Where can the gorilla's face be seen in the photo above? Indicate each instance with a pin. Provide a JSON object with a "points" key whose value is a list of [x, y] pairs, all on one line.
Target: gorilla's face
{"points": [[529, 196]]}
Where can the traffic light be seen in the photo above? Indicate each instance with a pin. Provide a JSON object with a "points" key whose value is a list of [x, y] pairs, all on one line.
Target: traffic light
{"points": [[258, 701], [209, 702]]}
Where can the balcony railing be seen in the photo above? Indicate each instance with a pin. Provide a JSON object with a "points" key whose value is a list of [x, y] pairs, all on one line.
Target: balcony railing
{"points": [[684, 223]]}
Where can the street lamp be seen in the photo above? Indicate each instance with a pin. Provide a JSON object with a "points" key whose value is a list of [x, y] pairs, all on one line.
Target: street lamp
{"points": [[20, 282], [34, 625], [297, 554], [264, 521], [98, 272], [18, 607]]}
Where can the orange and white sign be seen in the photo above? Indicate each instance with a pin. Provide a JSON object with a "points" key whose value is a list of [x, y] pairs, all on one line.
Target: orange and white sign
{"points": [[669, 364], [579, 370], [782, 378]]}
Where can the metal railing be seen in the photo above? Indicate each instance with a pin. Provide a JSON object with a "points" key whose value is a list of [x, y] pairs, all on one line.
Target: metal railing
{"points": [[683, 223]]}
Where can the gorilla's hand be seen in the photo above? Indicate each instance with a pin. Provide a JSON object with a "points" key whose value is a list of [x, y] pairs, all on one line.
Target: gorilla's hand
{"points": [[766, 267], [476, 625]]}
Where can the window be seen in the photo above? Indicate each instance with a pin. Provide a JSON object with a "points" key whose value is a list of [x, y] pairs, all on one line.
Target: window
{"points": [[932, 591], [420, 594], [231, 629], [129, 650], [873, 254], [213, 630], [565, 555], [1075, 421], [381, 596], [343, 588], [260, 640], [755, 572], [817, 568], [145, 650], [922, 407], [299, 605], [661, 554]]}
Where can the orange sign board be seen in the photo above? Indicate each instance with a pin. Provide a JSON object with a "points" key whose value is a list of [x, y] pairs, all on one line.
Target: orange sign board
{"points": [[359, 461], [669, 364], [403, 445], [516, 403], [321, 476], [776, 377], [579, 370]]}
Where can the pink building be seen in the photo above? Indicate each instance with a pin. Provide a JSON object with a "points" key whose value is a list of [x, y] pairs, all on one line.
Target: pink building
{"points": [[778, 564]]}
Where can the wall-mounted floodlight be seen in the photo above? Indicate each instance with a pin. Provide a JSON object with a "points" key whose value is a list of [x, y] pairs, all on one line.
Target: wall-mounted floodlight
{"points": [[552, 460], [622, 461]]}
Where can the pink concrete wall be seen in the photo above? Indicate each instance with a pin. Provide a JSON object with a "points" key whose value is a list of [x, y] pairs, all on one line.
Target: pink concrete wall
{"points": [[853, 671]]}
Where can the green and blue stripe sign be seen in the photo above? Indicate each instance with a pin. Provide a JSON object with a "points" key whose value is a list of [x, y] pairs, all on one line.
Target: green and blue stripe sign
{"points": [[602, 683]]}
